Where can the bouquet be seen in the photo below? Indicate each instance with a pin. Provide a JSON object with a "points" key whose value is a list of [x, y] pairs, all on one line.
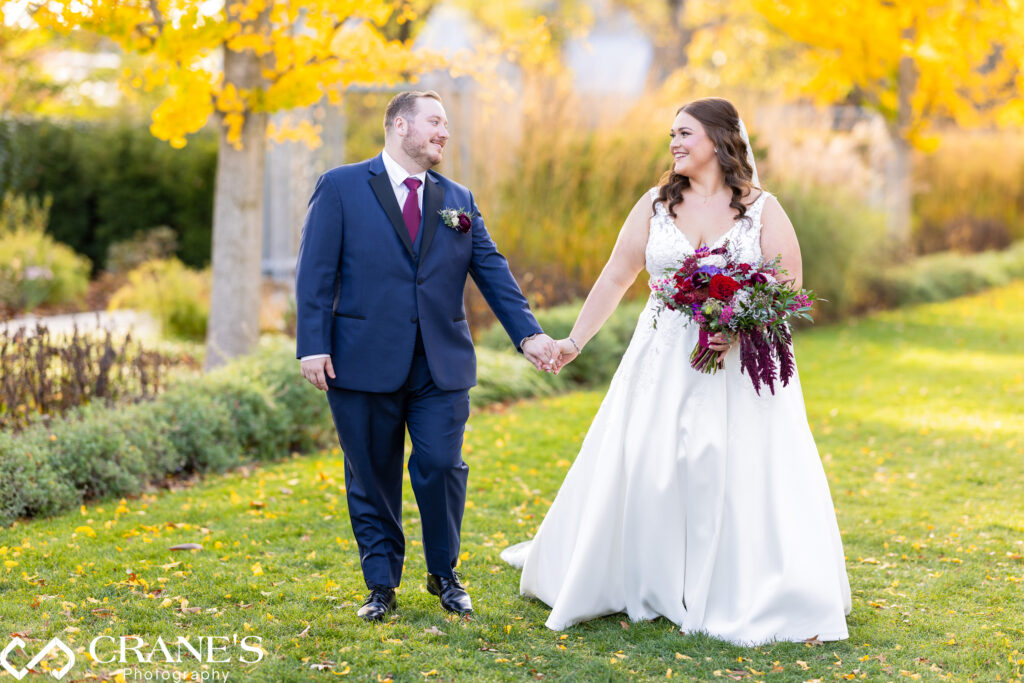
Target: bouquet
{"points": [[739, 299]]}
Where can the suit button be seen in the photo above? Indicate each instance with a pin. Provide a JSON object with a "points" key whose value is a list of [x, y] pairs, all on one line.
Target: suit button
{"points": [[414, 319], [419, 281]]}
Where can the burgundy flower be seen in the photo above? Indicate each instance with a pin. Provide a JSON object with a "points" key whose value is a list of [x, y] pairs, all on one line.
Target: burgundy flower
{"points": [[698, 280], [759, 279], [723, 287], [459, 220]]}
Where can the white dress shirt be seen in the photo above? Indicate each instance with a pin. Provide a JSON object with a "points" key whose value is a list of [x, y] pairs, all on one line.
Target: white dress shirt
{"points": [[397, 176]]}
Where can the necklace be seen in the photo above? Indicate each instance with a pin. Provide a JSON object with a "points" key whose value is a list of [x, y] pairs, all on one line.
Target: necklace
{"points": [[705, 197]]}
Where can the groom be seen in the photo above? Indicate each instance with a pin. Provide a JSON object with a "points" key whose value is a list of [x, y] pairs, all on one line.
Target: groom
{"points": [[382, 329]]}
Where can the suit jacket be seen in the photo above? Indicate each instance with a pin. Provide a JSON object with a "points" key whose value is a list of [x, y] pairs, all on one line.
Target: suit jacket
{"points": [[362, 292]]}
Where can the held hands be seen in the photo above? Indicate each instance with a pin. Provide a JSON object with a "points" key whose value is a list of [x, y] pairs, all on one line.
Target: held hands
{"points": [[315, 370], [561, 352], [567, 352], [542, 352]]}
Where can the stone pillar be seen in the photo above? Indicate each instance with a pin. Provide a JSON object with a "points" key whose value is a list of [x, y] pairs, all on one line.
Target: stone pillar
{"points": [[291, 173]]}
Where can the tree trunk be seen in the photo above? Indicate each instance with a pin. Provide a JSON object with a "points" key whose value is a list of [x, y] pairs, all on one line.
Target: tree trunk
{"points": [[670, 44], [233, 327], [899, 169], [899, 200]]}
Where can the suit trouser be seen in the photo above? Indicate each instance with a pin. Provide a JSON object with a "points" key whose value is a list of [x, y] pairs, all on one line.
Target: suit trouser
{"points": [[371, 428]]}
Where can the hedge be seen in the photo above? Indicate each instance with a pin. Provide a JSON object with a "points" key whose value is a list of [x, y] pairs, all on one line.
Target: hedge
{"points": [[255, 409], [258, 409], [945, 275], [110, 180]]}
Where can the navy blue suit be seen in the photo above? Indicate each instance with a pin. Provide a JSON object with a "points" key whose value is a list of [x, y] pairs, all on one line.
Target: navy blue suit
{"points": [[390, 313]]}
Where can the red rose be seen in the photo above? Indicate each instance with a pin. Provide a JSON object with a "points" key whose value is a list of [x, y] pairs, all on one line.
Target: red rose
{"points": [[745, 268], [465, 222], [723, 287], [759, 279]]}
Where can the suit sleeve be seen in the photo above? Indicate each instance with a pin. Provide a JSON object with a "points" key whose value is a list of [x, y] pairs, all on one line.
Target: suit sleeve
{"points": [[316, 270], [493, 277]]}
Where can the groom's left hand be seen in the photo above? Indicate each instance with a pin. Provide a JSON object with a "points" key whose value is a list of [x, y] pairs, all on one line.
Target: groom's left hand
{"points": [[541, 351]]}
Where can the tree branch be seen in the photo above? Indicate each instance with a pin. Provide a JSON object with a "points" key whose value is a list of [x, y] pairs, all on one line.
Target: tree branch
{"points": [[158, 19]]}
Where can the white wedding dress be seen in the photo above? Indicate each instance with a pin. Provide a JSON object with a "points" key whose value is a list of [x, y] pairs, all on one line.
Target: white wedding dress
{"points": [[692, 497]]}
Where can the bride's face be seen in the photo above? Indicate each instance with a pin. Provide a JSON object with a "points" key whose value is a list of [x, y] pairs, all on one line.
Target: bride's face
{"points": [[690, 145]]}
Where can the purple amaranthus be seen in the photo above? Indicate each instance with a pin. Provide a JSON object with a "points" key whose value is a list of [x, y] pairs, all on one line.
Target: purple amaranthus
{"points": [[759, 351], [784, 352]]}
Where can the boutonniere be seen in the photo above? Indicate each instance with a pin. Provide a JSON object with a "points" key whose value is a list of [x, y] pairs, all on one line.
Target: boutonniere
{"points": [[458, 219]]}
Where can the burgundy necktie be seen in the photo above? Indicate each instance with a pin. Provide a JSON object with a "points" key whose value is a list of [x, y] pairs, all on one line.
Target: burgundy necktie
{"points": [[411, 210]]}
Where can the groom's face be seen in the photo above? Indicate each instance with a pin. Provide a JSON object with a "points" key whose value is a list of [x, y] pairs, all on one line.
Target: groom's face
{"points": [[425, 133]]}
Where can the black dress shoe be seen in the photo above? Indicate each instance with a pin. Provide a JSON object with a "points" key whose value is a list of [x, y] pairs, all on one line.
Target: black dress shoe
{"points": [[380, 601], [454, 597]]}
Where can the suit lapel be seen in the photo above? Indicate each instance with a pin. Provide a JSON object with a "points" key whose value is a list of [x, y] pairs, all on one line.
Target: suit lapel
{"points": [[433, 200], [381, 185]]}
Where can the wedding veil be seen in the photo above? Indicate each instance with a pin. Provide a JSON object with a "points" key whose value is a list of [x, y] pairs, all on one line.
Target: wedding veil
{"points": [[750, 152]]}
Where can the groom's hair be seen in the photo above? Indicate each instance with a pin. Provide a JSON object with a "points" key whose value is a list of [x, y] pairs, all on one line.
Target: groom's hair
{"points": [[404, 104]]}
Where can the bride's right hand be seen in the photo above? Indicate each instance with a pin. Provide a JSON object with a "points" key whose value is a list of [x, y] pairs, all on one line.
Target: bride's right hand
{"points": [[566, 354], [721, 342]]}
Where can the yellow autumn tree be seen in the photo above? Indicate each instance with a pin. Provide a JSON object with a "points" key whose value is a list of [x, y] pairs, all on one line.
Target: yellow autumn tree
{"points": [[916, 62], [24, 87], [238, 63]]}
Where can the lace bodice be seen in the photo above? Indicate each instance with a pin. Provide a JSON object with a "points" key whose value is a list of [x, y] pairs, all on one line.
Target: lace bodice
{"points": [[667, 246]]}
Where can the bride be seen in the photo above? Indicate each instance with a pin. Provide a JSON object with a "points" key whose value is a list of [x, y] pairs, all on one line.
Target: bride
{"points": [[692, 497]]}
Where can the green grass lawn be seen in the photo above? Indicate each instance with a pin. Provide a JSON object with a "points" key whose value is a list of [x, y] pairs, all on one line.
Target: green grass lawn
{"points": [[917, 414]]}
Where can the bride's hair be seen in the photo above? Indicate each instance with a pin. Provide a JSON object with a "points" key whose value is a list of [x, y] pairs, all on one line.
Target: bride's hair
{"points": [[721, 122]]}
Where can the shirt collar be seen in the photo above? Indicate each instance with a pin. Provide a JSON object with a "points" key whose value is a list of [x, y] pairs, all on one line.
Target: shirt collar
{"points": [[396, 173]]}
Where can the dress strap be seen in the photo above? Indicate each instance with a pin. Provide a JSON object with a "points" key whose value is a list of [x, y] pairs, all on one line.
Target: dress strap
{"points": [[657, 208], [757, 208]]}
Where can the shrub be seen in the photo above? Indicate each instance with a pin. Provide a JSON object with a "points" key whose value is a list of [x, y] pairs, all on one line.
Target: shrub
{"points": [[964, 201], [177, 296], [145, 245], [109, 180], [30, 484], [257, 408], [35, 269], [199, 428], [945, 275], [505, 376], [277, 369], [47, 375], [92, 454], [27, 213], [260, 425], [841, 243]]}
